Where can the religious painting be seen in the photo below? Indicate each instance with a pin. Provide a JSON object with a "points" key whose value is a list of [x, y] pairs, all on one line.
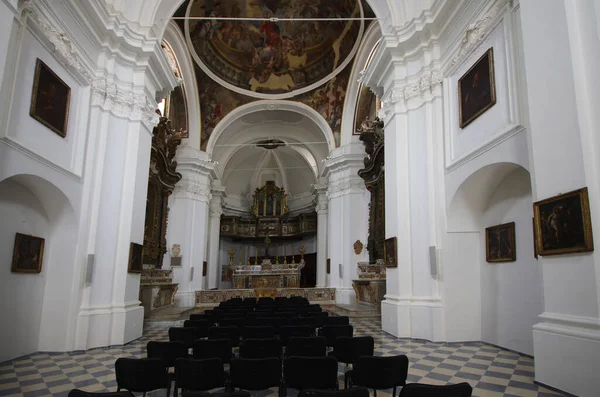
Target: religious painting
{"points": [[535, 253], [258, 54], [204, 269], [476, 89], [176, 110], [500, 243], [226, 274], [328, 266], [366, 107], [136, 263], [563, 224], [28, 254], [50, 99], [390, 252]]}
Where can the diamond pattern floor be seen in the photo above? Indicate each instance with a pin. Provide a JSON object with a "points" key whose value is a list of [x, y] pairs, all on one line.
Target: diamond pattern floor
{"points": [[491, 371]]}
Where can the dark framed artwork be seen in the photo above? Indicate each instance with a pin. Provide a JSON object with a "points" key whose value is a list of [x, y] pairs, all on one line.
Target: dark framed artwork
{"points": [[390, 252], [328, 266], [535, 253], [477, 89], [28, 254], [204, 268], [563, 224], [500, 243], [50, 99], [226, 273], [136, 253]]}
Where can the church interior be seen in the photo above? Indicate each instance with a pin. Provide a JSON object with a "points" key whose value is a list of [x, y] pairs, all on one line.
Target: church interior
{"points": [[423, 174]]}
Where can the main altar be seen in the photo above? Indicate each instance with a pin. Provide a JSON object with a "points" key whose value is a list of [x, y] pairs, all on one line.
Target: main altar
{"points": [[267, 275]]}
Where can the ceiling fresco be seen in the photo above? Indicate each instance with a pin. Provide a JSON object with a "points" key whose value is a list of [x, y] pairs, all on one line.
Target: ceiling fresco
{"points": [[273, 59]]}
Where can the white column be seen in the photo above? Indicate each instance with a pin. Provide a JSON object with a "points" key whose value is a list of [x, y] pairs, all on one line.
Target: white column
{"points": [[8, 10], [322, 208], [562, 56], [189, 221], [348, 208], [214, 227]]}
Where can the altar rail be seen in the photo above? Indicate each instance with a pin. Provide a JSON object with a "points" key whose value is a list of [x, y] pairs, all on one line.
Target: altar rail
{"points": [[323, 296]]}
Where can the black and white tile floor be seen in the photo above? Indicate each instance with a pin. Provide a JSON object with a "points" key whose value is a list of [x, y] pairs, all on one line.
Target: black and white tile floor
{"points": [[491, 371]]}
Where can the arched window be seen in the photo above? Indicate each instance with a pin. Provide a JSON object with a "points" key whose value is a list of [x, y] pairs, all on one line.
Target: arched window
{"points": [[174, 107]]}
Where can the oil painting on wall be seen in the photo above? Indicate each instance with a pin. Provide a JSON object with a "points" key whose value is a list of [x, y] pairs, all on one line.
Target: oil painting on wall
{"points": [[500, 243], [28, 254], [476, 89], [563, 224], [136, 253], [50, 99], [390, 252]]}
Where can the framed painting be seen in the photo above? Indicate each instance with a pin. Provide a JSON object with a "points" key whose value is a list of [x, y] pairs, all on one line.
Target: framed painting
{"points": [[476, 89], [328, 266], [50, 99], [28, 254], [136, 253], [535, 254], [500, 243], [563, 224], [204, 268], [390, 252], [226, 274]]}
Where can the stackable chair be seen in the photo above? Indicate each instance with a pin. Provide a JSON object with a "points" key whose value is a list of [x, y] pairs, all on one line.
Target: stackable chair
{"points": [[81, 393], [314, 346], [199, 375], [288, 331], [230, 332], [261, 348], [332, 332], [142, 375], [347, 350], [310, 373], [213, 348], [422, 390], [201, 327], [256, 374], [336, 320], [169, 352], [375, 372], [219, 394], [258, 332], [185, 335], [351, 392]]}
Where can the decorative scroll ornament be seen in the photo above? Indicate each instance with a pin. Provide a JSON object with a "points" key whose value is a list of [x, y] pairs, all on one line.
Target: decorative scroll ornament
{"points": [[477, 31], [193, 191], [123, 102]]}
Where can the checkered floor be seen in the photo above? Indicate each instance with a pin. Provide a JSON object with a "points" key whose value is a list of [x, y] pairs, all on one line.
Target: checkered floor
{"points": [[491, 371]]}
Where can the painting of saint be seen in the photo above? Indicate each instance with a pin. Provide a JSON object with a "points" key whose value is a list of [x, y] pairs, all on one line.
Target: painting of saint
{"points": [[563, 224], [50, 99], [390, 252], [500, 243], [27, 254], [136, 253], [476, 89]]}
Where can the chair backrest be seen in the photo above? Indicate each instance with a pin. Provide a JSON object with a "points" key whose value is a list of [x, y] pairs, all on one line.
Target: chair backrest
{"points": [[141, 374], [421, 390], [185, 335], [336, 320], [261, 348], [258, 332], [81, 393], [201, 327], [309, 321], [202, 374], [351, 392], [311, 372], [332, 332], [233, 321], [213, 348], [228, 332], [167, 351], [376, 372], [287, 331], [240, 393], [255, 373], [314, 346], [349, 349], [201, 317], [274, 322]]}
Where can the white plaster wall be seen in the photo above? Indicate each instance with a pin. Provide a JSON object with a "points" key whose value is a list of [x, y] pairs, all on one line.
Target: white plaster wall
{"points": [[511, 292], [22, 294]]}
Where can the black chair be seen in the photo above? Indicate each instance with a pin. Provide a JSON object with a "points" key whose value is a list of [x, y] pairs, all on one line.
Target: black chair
{"points": [[310, 373], [352, 392], [201, 327], [201, 317], [239, 322], [256, 374], [199, 375], [213, 348], [81, 393], [309, 321], [421, 390], [336, 320], [185, 335], [288, 331], [348, 349], [240, 393], [332, 332], [375, 372], [260, 348], [142, 375], [258, 332], [231, 332], [314, 346], [274, 322], [169, 352]]}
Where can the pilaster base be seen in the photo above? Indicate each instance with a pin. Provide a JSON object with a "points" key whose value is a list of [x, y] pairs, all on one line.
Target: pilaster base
{"points": [[185, 299], [109, 325], [345, 296], [567, 353], [395, 317]]}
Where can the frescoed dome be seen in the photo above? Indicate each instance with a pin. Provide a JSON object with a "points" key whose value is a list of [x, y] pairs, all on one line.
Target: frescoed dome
{"points": [[274, 59]]}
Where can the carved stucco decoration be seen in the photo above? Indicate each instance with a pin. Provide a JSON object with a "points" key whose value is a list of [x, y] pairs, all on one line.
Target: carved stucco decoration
{"points": [[161, 183], [358, 247], [374, 180]]}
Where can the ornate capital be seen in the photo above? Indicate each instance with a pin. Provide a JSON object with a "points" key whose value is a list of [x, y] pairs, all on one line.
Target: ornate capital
{"points": [[193, 191], [124, 101]]}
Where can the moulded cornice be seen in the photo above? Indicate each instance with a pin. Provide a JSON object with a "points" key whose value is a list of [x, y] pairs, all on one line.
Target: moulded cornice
{"points": [[342, 163], [346, 186], [193, 161], [192, 190]]}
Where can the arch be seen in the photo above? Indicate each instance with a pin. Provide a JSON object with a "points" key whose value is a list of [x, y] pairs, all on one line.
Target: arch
{"points": [[42, 210], [263, 105]]}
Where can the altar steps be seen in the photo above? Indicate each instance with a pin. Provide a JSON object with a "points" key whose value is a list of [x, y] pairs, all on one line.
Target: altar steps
{"points": [[168, 316], [359, 310]]}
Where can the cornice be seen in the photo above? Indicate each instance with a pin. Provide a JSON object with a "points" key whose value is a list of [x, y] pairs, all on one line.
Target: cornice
{"points": [[191, 161], [352, 185], [192, 190]]}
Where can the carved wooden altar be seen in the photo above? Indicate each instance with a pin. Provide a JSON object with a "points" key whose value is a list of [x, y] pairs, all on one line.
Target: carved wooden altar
{"points": [[161, 182]]}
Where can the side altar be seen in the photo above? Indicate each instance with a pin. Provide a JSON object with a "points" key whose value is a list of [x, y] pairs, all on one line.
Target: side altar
{"points": [[267, 275]]}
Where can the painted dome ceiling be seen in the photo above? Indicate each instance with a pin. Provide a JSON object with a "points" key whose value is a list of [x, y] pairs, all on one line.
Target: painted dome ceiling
{"points": [[273, 58]]}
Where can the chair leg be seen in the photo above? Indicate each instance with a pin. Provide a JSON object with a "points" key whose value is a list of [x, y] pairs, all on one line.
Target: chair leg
{"points": [[394, 392], [345, 380], [374, 392], [169, 389]]}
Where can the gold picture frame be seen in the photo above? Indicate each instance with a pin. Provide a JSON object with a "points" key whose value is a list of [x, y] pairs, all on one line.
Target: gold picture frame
{"points": [[500, 243], [28, 254], [477, 89], [50, 99], [563, 224], [390, 252], [136, 254]]}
